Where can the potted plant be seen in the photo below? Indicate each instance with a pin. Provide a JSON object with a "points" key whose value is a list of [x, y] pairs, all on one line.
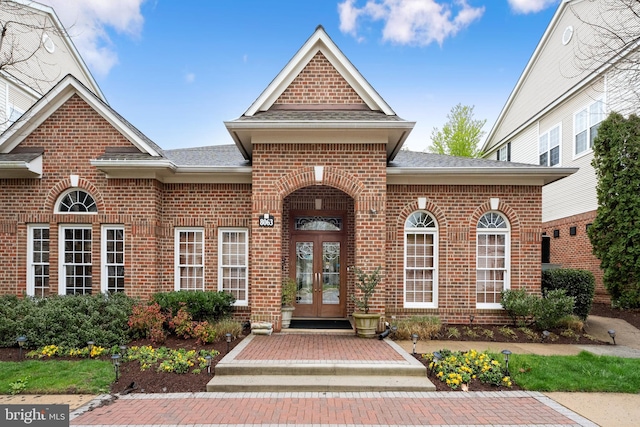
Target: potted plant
{"points": [[365, 322], [289, 291]]}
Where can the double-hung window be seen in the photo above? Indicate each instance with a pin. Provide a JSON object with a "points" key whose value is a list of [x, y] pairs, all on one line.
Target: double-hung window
{"points": [[492, 260], [504, 153], [38, 260], [189, 259], [233, 263], [549, 147], [76, 270], [112, 258], [420, 261], [585, 126]]}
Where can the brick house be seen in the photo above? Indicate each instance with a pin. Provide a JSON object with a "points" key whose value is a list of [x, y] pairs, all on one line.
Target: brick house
{"points": [[315, 184]]}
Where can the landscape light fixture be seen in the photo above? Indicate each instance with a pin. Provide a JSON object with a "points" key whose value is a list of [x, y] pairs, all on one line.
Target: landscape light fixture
{"points": [[228, 336], [21, 342], [414, 339], [208, 359], [90, 345], [545, 335], [506, 353], [116, 364], [394, 329], [612, 334], [437, 357], [123, 349]]}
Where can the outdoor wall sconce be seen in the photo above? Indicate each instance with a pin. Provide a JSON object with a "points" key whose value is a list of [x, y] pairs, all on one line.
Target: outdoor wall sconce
{"points": [[373, 211], [21, 342], [208, 359], [471, 317], [228, 337], [612, 334], [573, 231], [506, 353], [116, 364], [414, 339], [556, 234], [90, 347], [545, 335]]}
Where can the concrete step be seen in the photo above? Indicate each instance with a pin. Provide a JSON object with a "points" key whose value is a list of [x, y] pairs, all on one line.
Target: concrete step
{"points": [[317, 383], [322, 368]]}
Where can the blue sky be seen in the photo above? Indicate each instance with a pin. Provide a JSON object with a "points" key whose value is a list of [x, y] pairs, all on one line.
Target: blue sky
{"points": [[177, 69]]}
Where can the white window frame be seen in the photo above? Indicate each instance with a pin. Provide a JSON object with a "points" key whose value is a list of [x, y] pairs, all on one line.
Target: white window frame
{"points": [[432, 231], [507, 257], [548, 147], [590, 124], [503, 154], [177, 265], [221, 265], [31, 263], [62, 282], [71, 190], [104, 278]]}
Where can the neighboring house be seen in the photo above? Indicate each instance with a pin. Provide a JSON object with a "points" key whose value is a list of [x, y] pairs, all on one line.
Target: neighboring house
{"points": [[35, 54], [551, 118], [315, 184]]}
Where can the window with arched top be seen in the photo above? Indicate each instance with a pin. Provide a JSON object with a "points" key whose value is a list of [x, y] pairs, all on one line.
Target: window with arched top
{"points": [[420, 261], [493, 259], [76, 201]]}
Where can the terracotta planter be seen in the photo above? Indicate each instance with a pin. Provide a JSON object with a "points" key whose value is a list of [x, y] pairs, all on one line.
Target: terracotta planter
{"points": [[287, 313], [366, 324]]}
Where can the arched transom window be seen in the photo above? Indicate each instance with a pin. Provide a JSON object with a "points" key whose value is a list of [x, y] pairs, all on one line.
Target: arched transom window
{"points": [[493, 259], [76, 201], [420, 261]]}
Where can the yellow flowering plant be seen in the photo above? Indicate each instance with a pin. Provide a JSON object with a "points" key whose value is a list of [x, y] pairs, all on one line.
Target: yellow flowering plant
{"points": [[458, 368]]}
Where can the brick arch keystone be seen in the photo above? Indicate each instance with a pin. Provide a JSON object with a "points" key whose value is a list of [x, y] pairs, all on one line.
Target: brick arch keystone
{"points": [[65, 184], [333, 177]]}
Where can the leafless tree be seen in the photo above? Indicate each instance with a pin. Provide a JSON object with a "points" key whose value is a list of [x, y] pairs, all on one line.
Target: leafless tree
{"points": [[611, 48]]}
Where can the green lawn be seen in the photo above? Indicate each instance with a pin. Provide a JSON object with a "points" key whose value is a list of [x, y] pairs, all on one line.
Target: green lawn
{"points": [[584, 373], [56, 376]]}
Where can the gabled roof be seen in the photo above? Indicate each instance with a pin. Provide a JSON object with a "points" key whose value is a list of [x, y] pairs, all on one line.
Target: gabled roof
{"points": [[373, 115], [61, 30], [56, 97]]}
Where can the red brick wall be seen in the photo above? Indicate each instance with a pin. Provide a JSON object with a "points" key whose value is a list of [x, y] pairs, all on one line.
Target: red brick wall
{"points": [[457, 208], [358, 170], [319, 83], [575, 251]]}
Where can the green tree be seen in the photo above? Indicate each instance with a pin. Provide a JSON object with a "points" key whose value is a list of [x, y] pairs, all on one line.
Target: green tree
{"points": [[460, 135], [615, 233]]}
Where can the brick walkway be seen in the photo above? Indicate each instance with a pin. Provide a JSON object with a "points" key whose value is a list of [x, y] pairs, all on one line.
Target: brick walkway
{"points": [[333, 409], [329, 408]]}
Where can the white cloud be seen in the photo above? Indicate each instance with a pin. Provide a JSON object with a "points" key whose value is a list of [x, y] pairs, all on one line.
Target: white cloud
{"points": [[87, 22], [530, 6], [418, 22], [189, 77]]}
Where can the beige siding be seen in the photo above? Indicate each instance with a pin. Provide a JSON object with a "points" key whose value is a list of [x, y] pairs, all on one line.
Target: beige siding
{"points": [[44, 69], [3, 105], [554, 72], [524, 147]]}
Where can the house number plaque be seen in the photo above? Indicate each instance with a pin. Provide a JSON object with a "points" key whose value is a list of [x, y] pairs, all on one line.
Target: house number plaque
{"points": [[266, 220]]}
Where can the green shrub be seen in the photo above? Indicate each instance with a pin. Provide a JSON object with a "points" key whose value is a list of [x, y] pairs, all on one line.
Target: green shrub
{"points": [[202, 305], [579, 284], [425, 326], [519, 305], [550, 310], [65, 320]]}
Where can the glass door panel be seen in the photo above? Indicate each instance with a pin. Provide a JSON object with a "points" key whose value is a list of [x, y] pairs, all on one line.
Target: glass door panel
{"points": [[331, 273], [304, 273]]}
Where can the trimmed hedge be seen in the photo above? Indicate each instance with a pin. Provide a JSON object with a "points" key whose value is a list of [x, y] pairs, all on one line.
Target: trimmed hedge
{"points": [[65, 320], [202, 305], [579, 284]]}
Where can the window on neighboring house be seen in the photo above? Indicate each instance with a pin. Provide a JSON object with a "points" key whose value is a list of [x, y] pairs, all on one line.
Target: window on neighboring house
{"points": [[76, 201], [585, 126], [504, 153], [493, 259], [75, 259], [14, 114], [38, 261], [233, 263], [420, 261], [112, 258], [549, 147], [189, 259]]}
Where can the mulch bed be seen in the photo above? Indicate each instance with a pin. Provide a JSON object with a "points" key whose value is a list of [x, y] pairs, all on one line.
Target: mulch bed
{"points": [[132, 379]]}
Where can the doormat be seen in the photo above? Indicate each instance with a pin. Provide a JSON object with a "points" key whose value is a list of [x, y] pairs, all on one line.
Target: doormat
{"points": [[320, 324]]}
